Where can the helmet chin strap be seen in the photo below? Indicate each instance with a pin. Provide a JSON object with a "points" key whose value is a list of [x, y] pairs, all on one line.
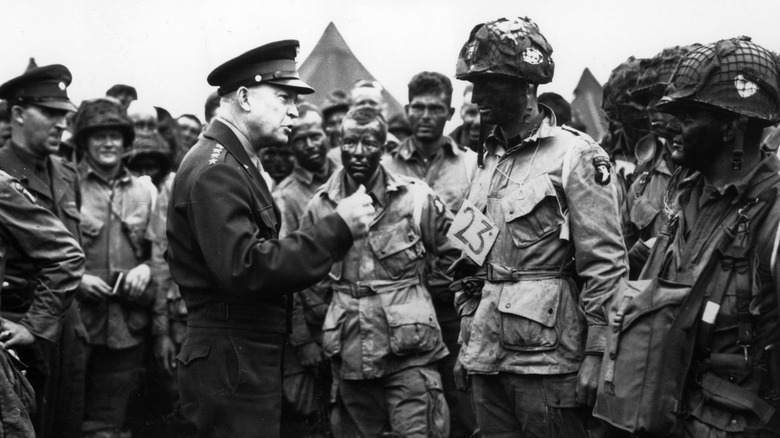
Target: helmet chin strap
{"points": [[738, 151]]}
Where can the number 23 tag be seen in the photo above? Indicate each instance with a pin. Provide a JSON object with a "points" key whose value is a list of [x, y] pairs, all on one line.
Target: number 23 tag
{"points": [[472, 232]]}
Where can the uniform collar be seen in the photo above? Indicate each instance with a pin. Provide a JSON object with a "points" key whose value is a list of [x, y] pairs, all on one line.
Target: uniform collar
{"points": [[86, 171], [766, 168], [386, 183], [27, 159], [245, 143], [408, 148], [307, 177], [546, 129]]}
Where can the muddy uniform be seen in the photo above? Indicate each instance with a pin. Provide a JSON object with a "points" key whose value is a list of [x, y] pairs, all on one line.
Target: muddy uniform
{"points": [[381, 331]]}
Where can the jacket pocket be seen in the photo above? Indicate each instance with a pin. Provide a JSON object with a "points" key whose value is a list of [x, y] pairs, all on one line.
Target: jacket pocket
{"points": [[90, 229], [331, 329], [529, 315], [208, 370], [396, 247], [268, 218], [412, 327], [643, 212], [533, 211]]}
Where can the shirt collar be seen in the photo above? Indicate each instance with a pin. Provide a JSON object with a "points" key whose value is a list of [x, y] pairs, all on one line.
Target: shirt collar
{"points": [[86, 171], [307, 177], [769, 165], [408, 148], [386, 183], [245, 143], [496, 141], [27, 159]]}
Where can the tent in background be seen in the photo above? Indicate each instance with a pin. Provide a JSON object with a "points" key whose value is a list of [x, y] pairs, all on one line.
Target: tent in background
{"points": [[332, 65], [586, 106]]}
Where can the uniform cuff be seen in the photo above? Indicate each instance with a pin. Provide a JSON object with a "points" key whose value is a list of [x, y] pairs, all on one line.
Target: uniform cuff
{"points": [[597, 339]]}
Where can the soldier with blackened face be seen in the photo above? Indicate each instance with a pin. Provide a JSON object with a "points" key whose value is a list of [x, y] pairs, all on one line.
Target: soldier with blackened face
{"points": [[532, 339]]}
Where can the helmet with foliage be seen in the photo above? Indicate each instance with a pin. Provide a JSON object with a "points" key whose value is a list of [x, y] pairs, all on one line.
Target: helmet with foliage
{"points": [[512, 48]]}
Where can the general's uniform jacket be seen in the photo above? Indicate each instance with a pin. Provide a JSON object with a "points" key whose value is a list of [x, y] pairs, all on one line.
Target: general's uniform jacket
{"points": [[222, 238], [115, 215], [531, 317], [36, 247], [381, 318]]}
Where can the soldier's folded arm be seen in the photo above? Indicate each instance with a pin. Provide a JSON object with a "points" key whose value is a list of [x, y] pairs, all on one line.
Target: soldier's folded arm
{"points": [[222, 220], [39, 235], [595, 229]]}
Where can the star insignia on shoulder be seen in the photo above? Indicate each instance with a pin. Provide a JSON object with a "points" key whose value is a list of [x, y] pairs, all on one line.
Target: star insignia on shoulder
{"points": [[215, 153]]}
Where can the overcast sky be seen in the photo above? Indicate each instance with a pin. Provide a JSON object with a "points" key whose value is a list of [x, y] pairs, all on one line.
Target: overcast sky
{"points": [[166, 48]]}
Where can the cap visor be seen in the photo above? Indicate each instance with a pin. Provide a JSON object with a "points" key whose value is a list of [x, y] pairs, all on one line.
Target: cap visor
{"points": [[299, 86], [64, 105]]}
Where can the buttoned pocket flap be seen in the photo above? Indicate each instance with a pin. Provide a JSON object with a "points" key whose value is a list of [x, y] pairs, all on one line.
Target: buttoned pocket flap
{"points": [[190, 353], [410, 313], [523, 200], [394, 240], [90, 226], [643, 212], [537, 301]]}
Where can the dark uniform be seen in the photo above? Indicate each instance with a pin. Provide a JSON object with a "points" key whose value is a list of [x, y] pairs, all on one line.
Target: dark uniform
{"points": [[233, 272], [53, 182], [40, 266]]}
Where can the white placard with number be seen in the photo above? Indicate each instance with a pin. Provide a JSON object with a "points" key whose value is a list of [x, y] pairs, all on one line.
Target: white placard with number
{"points": [[472, 232]]}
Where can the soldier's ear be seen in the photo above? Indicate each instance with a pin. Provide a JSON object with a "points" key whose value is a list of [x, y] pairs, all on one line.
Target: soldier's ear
{"points": [[17, 114], [731, 128], [242, 98]]}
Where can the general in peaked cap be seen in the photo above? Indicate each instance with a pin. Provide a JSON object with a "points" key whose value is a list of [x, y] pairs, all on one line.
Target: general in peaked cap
{"points": [[45, 86], [272, 63]]}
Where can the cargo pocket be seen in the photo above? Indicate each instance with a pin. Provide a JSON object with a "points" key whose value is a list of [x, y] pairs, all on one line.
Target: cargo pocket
{"points": [[331, 329], [396, 247], [208, 370], [533, 211], [90, 230], [643, 212], [529, 315], [438, 414], [411, 328]]}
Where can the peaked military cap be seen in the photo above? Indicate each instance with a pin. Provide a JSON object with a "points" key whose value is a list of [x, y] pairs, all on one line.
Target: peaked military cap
{"points": [[272, 63], [45, 86]]}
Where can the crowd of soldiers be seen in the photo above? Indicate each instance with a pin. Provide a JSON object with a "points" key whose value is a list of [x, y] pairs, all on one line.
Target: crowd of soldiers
{"points": [[284, 269]]}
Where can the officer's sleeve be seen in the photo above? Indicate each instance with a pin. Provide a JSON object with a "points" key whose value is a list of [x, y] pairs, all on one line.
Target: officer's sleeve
{"points": [[41, 237], [600, 254], [240, 260]]}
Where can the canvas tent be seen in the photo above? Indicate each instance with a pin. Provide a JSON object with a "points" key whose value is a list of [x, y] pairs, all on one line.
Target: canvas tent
{"points": [[332, 65], [586, 106]]}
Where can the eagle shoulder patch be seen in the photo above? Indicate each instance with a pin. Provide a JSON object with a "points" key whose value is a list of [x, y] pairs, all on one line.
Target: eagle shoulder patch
{"points": [[602, 165]]}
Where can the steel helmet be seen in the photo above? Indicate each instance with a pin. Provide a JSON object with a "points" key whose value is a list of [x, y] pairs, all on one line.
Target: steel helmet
{"points": [[735, 75], [511, 48]]}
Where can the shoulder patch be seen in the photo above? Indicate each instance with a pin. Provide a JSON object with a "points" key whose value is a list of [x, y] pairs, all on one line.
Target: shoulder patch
{"points": [[438, 205], [215, 153], [20, 188], [602, 166]]}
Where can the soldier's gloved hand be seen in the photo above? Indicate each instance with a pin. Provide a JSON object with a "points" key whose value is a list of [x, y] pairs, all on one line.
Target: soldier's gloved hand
{"points": [[310, 354], [588, 380], [13, 334], [165, 353], [461, 376], [357, 211], [136, 281], [93, 288]]}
